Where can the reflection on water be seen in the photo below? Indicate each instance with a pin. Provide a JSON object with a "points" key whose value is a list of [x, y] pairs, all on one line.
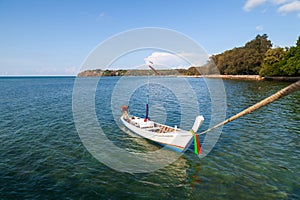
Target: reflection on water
{"points": [[195, 176]]}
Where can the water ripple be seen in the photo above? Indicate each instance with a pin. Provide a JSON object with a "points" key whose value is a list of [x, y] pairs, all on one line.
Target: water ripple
{"points": [[42, 156]]}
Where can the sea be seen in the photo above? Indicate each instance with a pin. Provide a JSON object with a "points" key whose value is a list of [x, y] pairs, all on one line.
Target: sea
{"points": [[43, 153]]}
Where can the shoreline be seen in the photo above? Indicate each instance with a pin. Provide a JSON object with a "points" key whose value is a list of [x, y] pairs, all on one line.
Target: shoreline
{"points": [[254, 78], [227, 77], [237, 77]]}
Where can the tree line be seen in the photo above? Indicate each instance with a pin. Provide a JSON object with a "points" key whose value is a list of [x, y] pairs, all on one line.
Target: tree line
{"points": [[257, 57], [282, 61]]}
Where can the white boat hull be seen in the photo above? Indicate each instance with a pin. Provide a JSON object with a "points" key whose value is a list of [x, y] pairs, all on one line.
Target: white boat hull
{"points": [[178, 139]]}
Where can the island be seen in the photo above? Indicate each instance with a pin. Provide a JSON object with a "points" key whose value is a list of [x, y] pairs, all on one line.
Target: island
{"points": [[256, 60]]}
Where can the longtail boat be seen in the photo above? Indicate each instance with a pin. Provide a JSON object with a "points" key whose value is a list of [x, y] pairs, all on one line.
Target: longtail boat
{"points": [[171, 137]]}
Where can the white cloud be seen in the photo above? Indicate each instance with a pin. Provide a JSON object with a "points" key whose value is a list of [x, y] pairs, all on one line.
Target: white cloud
{"points": [[278, 2], [293, 6], [284, 6], [250, 4], [260, 27], [101, 16], [180, 60]]}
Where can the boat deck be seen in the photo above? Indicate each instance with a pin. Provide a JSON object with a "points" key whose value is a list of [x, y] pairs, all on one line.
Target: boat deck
{"points": [[149, 125]]}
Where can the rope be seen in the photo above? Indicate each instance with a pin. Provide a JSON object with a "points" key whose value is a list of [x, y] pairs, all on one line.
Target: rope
{"points": [[283, 92]]}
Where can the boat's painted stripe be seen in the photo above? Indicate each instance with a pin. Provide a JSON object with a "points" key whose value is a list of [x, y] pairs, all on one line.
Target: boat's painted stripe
{"points": [[179, 150], [171, 145]]}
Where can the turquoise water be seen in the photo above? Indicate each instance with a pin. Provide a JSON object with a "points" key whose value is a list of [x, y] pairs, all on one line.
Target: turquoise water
{"points": [[42, 156]]}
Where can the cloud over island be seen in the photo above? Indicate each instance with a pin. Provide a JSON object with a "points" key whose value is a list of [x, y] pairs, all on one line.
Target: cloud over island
{"points": [[180, 60]]}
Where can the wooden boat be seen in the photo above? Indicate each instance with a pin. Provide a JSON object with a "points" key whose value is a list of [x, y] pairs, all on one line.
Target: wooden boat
{"points": [[172, 137]]}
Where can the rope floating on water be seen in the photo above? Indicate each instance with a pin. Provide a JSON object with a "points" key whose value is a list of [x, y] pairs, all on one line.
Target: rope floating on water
{"points": [[281, 93]]}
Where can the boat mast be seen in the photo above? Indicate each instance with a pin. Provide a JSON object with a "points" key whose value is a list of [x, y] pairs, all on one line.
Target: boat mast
{"points": [[147, 101], [147, 109]]}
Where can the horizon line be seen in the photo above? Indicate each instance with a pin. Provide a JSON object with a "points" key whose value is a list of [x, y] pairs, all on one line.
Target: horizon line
{"points": [[19, 75]]}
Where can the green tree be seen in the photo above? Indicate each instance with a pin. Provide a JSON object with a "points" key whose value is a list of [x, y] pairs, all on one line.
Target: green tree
{"points": [[192, 71], [292, 65], [273, 62], [244, 60], [282, 62]]}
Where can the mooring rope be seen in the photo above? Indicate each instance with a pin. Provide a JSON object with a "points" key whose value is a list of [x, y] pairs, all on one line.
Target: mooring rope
{"points": [[281, 93]]}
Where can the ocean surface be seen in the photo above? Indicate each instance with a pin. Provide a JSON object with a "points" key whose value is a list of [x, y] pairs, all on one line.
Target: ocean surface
{"points": [[42, 155]]}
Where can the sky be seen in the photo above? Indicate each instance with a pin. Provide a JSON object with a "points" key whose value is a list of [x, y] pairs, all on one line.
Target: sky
{"points": [[52, 37]]}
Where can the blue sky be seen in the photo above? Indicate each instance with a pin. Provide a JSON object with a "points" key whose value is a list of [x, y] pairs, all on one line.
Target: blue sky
{"points": [[40, 37]]}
